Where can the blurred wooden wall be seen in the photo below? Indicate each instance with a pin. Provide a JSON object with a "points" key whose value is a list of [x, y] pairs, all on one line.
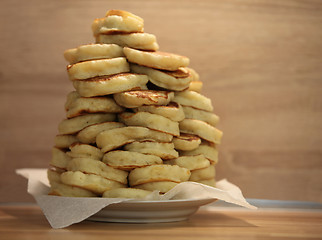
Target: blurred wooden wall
{"points": [[260, 61]]}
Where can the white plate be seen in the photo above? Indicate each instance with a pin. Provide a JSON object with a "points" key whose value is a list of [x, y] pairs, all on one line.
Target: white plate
{"points": [[150, 211]]}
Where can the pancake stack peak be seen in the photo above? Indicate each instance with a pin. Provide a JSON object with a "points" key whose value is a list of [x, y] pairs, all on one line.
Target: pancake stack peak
{"points": [[136, 121]]}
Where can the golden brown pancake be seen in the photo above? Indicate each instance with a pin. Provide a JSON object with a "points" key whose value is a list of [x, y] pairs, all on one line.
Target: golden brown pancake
{"points": [[144, 41], [157, 59], [60, 189], [77, 106], [134, 99], [91, 182], [190, 162], [97, 68], [150, 120], [115, 138], [117, 21], [65, 140], [88, 165], [162, 150], [195, 86], [201, 129], [59, 158], [207, 149], [82, 150], [157, 173], [111, 84], [74, 125], [173, 111], [88, 134], [133, 193], [92, 52], [193, 99], [186, 142], [202, 174], [193, 113], [126, 160], [177, 80]]}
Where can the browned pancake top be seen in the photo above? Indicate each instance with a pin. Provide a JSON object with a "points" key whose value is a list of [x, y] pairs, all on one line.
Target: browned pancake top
{"points": [[188, 137], [180, 73], [107, 78], [150, 94]]}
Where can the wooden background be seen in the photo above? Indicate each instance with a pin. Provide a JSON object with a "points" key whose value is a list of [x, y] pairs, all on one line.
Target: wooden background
{"points": [[260, 61]]}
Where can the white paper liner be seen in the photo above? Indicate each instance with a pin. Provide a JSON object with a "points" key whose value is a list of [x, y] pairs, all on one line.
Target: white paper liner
{"points": [[65, 211]]}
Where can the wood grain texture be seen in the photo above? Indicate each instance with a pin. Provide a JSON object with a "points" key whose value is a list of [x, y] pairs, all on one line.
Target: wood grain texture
{"points": [[260, 61], [218, 224]]}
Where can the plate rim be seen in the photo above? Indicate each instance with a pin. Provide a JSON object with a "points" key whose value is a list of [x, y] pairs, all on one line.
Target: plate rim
{"points": [[139, 211], [193, 201]]}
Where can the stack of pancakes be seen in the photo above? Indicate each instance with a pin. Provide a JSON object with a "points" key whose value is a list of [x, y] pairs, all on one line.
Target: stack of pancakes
{"points": [[136, 122]]}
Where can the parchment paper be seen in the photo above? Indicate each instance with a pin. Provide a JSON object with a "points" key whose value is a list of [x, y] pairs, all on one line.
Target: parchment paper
{"points": [[65, 211]]}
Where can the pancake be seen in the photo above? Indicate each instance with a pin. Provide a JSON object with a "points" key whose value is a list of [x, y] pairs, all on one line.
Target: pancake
{"points": [[132, 193], [162, 150], [117, 21], [115, 138], [190, 162], [150, 120], [71, 97], [201, 129], [92, 52], [194, 75], [81, 105], [157, 59], [177, 80], [59, 158], [210, 152], [193, 99], [65, 140], [134, 99], [91, 182], [74, 125], [53, 176], [202, 174], [186, 142], [157, 173], [63, 190], [111, 84], [81, 150], [173, 111], [96, 68], [193, 113], [126, 160], [60, 189], [88, 134], [88, 165], [144, 41], [195, 86]]}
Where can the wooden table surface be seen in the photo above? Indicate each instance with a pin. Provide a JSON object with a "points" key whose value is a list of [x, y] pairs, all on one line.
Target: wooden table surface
{"points": [[26, 221]]}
